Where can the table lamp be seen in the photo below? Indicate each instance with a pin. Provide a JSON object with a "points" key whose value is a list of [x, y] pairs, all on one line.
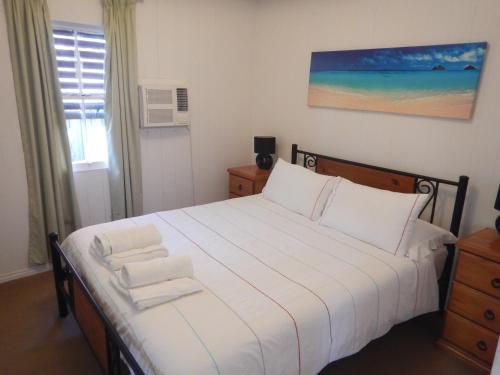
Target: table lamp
{"points": [[264, 147]]}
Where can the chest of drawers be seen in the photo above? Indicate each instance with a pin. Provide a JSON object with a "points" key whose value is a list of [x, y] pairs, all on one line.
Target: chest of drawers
{"points": [[472, 322], [247, 180]]}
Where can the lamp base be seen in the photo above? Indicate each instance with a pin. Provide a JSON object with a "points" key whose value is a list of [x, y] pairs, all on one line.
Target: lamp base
{"points": [[264, 161], [497, 224]]}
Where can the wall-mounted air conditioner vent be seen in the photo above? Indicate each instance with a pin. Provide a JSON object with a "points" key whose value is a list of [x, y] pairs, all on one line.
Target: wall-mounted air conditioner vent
{"points": [[164, 106]]}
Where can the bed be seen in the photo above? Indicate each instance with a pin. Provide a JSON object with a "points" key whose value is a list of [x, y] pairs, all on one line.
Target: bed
{"points": [[281, 295]]}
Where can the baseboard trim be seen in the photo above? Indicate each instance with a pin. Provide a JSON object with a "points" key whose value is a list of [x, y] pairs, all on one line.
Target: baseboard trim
{"points": [[25, 272]]}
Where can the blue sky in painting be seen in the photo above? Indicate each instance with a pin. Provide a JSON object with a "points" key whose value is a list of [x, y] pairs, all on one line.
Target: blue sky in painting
{"points": [[451, 56]]}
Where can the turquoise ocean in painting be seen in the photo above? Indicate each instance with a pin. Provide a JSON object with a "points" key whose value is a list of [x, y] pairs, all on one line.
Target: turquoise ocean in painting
{"points": [[438, 80], [397, 83]]}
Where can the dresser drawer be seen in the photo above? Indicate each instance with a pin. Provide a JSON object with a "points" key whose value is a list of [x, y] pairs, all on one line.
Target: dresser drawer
{"points": [[240, 186], [476, 306], [479, 273], [472, 338]]}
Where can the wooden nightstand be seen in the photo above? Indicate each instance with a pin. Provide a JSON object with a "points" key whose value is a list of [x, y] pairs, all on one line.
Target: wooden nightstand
{"points": [[472, 322], [246, 180]]}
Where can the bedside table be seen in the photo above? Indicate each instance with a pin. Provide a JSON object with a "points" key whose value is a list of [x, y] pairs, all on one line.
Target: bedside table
{"points": [[472, 321], [247, 180]]}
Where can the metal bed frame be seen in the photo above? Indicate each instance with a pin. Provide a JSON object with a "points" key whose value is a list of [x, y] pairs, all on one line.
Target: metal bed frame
{"points": [[117, 350], [422, 184]]}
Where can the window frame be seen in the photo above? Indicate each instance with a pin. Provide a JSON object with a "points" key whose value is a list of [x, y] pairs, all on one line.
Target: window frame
{"points": [[82, 165]]}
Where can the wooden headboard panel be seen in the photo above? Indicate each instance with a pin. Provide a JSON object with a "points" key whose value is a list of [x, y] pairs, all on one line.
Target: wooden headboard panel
{"points": [[367, 176], [388, 179]]}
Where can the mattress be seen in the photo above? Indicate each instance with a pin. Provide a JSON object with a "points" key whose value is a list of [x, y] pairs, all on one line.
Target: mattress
{"points": [[281, 294]]}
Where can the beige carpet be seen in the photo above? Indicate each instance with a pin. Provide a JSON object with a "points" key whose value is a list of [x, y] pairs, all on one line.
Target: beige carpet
{"points": [[33, 340]]}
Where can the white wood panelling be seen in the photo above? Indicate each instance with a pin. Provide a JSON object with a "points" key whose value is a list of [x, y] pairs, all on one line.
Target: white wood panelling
{"points": [[167, 177], [92, 191], [167, 173]]}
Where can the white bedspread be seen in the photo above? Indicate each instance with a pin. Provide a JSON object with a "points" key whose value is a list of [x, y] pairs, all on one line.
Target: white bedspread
{"points": [[282, 295]]}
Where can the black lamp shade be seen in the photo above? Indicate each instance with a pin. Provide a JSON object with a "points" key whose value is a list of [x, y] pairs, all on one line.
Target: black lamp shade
{"points": [[264, 145], [497, 202]]}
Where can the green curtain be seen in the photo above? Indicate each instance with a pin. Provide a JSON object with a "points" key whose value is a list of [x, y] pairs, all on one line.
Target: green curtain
{"points": [[122, 109], [52, 201]]}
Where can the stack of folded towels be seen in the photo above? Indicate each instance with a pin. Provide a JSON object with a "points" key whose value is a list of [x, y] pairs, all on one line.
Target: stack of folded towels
{"points": [[115, 248], [156, 281], [145, 275]]}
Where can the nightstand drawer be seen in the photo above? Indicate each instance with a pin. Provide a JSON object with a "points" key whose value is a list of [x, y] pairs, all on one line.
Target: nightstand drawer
{"points": [[479, 273], [470, 337], [240, 186], [476, 306]]}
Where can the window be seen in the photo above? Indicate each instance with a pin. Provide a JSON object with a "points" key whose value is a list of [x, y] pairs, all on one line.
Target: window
{"points": [[80, 65]]}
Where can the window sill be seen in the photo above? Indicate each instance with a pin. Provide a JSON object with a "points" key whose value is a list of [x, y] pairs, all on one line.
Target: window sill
{"points": [[83, 166]]}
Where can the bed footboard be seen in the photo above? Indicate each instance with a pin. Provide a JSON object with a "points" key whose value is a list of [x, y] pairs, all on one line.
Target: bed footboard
{"points": [[72, 292]]}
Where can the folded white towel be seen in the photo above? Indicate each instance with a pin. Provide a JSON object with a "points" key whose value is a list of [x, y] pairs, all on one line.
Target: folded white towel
{"points": [[116, 261], [155, 294], [117, 241], [152, 271]]}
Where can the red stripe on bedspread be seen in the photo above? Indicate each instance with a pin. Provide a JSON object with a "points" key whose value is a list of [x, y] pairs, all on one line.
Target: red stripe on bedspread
{"points": [[246, 281], [272, 268]]}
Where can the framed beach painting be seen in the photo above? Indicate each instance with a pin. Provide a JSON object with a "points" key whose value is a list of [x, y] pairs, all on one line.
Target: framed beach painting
{"points": [[438, 81]]}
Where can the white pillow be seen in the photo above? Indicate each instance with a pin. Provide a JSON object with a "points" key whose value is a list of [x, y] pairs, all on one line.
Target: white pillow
{"points": [[427, 238], [298, 189], [382, 218]]}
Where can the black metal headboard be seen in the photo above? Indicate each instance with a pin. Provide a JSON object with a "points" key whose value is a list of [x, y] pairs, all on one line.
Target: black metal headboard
{"points": [[421, 184]]}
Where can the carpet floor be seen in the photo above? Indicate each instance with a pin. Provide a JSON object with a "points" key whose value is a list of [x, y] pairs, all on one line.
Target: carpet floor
{"points": [[33, 340]]}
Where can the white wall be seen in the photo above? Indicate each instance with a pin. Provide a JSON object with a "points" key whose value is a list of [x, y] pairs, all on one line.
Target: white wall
{"points": [[209, 45], [92, 193], [13, 188], [88, 12], [288, 31]]}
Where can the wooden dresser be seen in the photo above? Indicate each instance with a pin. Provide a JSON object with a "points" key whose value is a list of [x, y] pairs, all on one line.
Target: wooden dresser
{"points": [[472, 321], [246, 180]]}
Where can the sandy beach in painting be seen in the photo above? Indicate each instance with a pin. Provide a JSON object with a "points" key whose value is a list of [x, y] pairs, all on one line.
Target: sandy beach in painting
{"points": [[451, 105]]}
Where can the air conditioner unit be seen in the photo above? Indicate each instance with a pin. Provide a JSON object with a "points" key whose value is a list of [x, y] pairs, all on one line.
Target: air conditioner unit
{"points": [[164, 106]]}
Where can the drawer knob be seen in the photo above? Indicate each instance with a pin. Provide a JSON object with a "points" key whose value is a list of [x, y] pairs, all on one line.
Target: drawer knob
{"points": [[481, 345], [240, 187], [489, 315], [495, 283]]}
